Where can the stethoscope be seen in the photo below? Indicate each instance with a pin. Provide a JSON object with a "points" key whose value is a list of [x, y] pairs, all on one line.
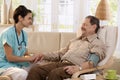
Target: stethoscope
{"points": [[23, 39]]}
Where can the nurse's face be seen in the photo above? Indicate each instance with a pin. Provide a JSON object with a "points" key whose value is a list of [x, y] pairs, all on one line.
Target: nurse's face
{"points": [[27, 20]]}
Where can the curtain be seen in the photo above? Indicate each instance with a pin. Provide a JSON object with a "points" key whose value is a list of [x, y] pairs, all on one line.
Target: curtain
{"points": [[54, 15], [117, 54], [81, 10], [30, 4]]}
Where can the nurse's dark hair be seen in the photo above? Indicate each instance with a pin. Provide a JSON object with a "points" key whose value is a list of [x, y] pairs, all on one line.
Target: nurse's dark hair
{"points": [[20, 11], [94, 20]]}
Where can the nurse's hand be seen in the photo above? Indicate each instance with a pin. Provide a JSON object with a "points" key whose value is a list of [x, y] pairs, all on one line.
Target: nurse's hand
{"points": [[31, 59]]}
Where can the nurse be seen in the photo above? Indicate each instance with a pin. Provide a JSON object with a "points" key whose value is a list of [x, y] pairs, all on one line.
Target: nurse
{"points": [[13, 42]]}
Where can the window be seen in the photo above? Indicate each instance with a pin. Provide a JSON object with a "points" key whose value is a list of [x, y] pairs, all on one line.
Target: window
{"points": [[43, 15], [55, 15], [65, 15], [60, 15]]}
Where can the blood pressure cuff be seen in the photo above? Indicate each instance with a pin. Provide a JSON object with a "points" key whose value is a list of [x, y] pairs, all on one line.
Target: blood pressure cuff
{"points": [[94, 58]]}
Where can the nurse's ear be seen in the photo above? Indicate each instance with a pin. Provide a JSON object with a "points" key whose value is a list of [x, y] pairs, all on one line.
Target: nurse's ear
{"points": [[20, 18]]}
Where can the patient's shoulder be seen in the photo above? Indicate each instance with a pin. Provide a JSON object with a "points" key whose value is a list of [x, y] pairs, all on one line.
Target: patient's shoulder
{"points": [[98, 41]]}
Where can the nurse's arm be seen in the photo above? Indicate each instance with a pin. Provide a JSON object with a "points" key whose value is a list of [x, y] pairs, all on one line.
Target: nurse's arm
{"points": [[13, 58]]}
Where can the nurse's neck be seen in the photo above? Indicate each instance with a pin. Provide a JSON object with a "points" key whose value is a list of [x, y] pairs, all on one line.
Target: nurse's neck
{"points": [[19, 27]]}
